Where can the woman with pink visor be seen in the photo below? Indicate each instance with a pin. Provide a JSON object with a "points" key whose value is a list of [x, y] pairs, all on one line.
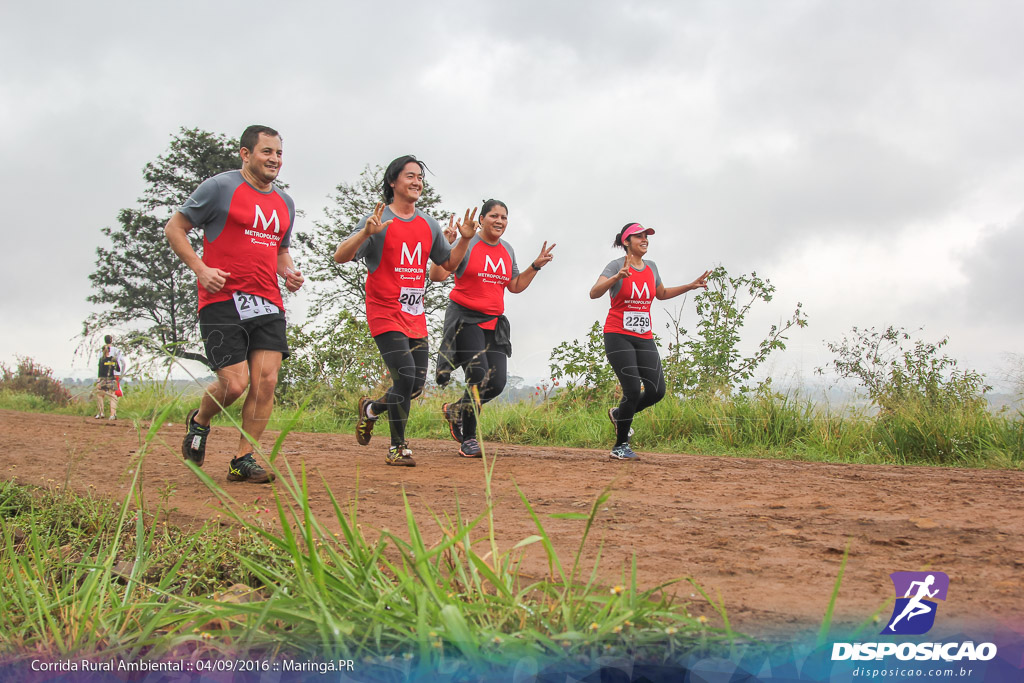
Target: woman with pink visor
{"points": [[632, 284]]}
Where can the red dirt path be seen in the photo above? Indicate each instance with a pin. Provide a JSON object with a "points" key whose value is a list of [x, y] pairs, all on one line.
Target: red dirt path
{"points": [[767, 535]]}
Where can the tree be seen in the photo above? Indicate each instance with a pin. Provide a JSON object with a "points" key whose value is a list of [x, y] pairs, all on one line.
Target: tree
{"points": [[710, 361], [338, 287], [146, 290]]}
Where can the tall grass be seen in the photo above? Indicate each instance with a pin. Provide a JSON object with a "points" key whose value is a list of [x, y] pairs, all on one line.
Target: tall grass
{"points": [[776, 426], [780, 426]]}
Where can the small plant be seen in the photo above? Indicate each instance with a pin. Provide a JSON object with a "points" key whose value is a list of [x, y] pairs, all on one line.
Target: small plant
{"points": [[32, 378], [582, 364], [709, 361]]}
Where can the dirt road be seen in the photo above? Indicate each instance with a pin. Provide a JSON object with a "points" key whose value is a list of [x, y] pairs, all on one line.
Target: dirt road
{"points": [[766, 535]]}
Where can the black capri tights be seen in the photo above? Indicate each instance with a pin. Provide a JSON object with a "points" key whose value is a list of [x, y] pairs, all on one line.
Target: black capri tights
{"points": [[407, 362], [638, 366], [486, 369]]}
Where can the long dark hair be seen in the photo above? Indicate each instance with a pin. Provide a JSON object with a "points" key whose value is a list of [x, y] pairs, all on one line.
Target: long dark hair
{"points": [[391, 175]]}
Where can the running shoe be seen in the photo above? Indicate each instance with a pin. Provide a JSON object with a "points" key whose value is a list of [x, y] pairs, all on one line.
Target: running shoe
{"points": [[454, 419], [112, 417], [612, 412], [246, 469], [471, 449], [364, 425], [194, 446], [98, 416], [623, 452], [400, 456]]}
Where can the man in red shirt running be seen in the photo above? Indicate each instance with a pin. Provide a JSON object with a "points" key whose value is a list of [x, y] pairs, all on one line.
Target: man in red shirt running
{"points": [[247, 225]]}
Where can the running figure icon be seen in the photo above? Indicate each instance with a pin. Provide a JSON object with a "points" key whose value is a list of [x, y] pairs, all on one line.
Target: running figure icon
{"points": [[916, 606]]}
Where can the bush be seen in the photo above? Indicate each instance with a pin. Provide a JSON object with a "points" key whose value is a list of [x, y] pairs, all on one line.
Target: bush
{"points": [[31, 378], [583, 366], [708, 361], [338, 360], [896, 376]]}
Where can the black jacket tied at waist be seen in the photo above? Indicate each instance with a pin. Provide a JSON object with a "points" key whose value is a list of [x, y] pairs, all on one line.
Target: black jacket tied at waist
{"points": [[455, 317]]}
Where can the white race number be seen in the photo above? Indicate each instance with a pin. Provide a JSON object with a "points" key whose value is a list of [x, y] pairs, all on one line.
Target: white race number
{"points": [[252, 306], [411, 300]]}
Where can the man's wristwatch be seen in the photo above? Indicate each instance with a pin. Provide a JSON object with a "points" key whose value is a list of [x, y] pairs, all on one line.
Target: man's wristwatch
{"points": [[534, 266]]}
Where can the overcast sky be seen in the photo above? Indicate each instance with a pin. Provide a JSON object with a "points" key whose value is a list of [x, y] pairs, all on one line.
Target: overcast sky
{"points": [[866, 156]]}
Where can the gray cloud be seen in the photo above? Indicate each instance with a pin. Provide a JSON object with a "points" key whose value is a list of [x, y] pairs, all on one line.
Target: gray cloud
{"points": [[995, 277], [744, 131]]}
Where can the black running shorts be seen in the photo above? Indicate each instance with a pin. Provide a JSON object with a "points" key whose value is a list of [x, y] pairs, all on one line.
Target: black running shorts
{"points": [[229, 339]]}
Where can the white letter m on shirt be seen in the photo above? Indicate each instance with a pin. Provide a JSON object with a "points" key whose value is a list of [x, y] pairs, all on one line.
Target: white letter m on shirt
{"points": [[407, 256], [644, 293], [260, 218], [492, 266]]}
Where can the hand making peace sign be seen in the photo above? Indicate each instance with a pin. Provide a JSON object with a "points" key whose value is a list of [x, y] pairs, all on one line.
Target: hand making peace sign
{"points": [[467, 228], [545, 255], [452, 231], [373, 224]]}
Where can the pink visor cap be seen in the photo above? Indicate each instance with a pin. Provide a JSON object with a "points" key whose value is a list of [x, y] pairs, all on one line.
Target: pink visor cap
{"points": [[636, 229]]}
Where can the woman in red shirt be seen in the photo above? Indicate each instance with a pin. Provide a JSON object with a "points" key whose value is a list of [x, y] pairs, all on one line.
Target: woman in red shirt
{"points": [[395, 242], [632, 284], [476, 333]]}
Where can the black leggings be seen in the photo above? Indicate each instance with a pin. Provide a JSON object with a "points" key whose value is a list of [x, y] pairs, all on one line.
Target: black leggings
{"points": [[407, 362], [486, 369], [637, 364]]}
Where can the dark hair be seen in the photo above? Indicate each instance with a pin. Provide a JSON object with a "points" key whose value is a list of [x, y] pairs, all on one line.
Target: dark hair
{"points": [[490, 204], [108, 339], [251, 135], [618, 238], [391, 175]]}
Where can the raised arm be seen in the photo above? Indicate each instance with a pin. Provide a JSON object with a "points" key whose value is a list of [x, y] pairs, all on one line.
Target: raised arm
{"points": [[437, 273], [346, 251], [467, 230], [671, 292], [604, 283], [523, 280]]}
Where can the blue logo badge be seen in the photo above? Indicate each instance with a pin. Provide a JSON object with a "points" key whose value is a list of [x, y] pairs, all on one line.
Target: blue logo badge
{"points": [[914, 612]]}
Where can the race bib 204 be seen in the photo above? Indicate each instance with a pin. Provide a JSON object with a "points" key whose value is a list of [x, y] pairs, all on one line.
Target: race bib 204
{"points": [[411, 300]]}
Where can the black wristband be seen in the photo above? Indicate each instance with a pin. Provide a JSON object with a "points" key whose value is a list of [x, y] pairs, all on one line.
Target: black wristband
{"points": [[534, 266]]}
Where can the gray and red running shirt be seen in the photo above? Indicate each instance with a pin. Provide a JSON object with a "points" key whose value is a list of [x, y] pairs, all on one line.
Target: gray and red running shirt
{"points": [[397, 260], [243, 229], [631, 299], [483, 276]]}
